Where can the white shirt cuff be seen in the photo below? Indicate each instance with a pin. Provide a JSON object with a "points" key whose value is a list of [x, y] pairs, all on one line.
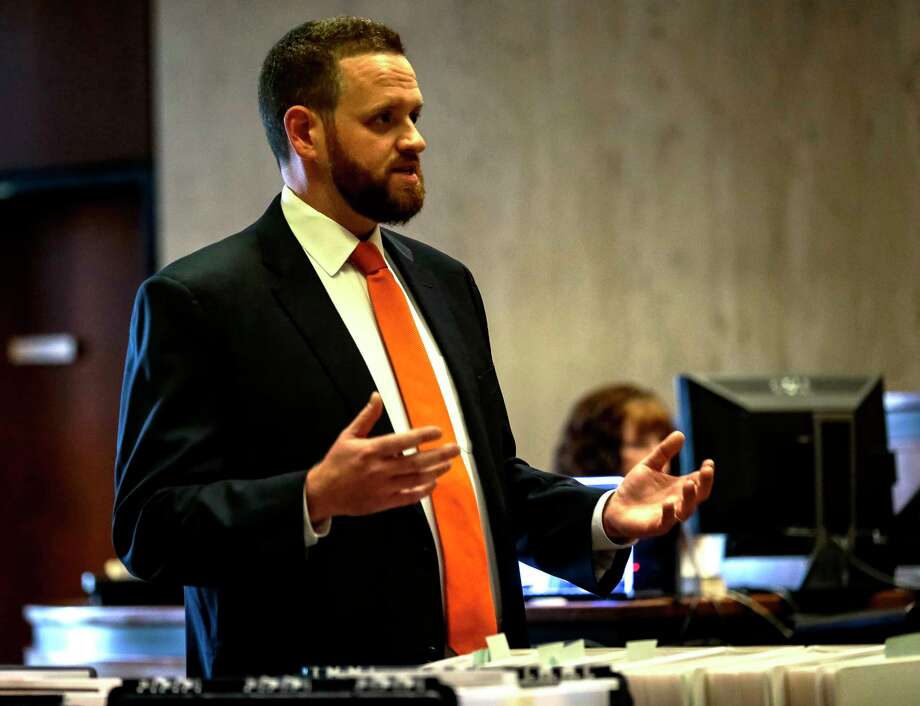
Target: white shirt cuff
{"points": [[600, 542], [605, 549], [311, 535]]}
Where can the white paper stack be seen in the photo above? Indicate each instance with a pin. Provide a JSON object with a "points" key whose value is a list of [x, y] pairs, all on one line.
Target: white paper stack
{"points": [[762, 681], [679, 680], [854, 675], [871, 680]]}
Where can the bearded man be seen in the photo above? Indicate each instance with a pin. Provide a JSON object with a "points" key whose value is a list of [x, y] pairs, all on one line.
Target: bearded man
{"points": [[312, 438]]}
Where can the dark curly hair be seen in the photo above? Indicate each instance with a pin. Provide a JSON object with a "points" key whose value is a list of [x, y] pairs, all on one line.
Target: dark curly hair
{"points": [[303, 69], [593, 434]]}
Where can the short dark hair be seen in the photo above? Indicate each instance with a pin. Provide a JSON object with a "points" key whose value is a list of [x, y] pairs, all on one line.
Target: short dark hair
{"points": [[593, 433], [303, 69]]}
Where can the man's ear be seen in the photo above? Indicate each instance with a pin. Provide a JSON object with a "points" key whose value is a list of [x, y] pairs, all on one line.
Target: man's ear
{"points": [[305, 133]]}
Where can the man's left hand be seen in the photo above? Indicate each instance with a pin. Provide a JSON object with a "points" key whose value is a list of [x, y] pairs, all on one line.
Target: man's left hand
{"points": [[649, 501]]}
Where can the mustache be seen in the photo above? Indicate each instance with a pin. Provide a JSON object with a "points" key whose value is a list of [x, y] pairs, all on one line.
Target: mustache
{"points": [[413, 163]]}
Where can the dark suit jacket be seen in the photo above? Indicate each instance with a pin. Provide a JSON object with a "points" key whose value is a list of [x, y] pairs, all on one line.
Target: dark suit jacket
{"points": [[239, 376]]}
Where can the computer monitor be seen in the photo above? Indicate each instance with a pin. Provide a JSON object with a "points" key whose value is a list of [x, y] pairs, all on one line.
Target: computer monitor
{"points": [[802, 468]]}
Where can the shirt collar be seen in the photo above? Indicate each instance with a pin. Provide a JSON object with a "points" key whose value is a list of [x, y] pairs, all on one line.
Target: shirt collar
{"points": [[325, 241]]}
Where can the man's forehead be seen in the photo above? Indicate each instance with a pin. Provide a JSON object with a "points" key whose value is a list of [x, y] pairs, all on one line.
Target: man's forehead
{"points": [[378, 70]]}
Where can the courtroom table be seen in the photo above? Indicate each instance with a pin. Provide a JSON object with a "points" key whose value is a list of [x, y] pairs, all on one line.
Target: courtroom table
{"points": [[671, 620], [142, 641], [697, 620]]}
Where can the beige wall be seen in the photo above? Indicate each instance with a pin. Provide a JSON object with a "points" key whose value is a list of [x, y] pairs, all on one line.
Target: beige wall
{"points": [[640, 188]]}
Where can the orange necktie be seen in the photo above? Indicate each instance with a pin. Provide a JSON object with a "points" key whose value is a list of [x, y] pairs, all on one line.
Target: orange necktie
{"points": [[470, 612]]}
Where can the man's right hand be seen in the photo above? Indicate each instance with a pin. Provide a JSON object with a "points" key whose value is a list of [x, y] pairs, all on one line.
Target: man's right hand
{"points": [[359, 476]]}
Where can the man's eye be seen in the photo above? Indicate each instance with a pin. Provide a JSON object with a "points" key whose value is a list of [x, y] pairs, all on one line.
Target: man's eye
{"points": [[384, 118], [415, 117]]}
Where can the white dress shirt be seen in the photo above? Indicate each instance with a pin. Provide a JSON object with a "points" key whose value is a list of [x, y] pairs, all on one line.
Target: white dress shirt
{"points": [[328, 246]]}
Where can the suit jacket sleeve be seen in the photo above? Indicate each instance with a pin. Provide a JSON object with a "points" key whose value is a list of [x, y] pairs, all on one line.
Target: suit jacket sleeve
{"points": [[180, 514]]}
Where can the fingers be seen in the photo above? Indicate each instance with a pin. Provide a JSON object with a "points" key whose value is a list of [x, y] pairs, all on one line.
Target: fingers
{"points": [[407, 472], [706, 478], [406, 496], [390, 444], [389, 471], [410, 496], [408, 481], [665, 451], [663, 502], [695, 489], [688, 500], [395, 444], [361, 475], [421, 461], [668, 516], [361, 425]]}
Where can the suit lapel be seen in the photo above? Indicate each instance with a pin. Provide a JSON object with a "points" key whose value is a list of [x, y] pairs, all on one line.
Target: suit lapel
{"points": [[436, 311], [303, 298]]}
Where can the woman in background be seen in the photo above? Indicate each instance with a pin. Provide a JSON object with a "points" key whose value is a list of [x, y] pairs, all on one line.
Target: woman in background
{"points": [[611, 430], [608, 432]]}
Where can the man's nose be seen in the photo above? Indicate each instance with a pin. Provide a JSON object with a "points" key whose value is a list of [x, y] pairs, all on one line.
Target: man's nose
{"points": [[412, 140]]}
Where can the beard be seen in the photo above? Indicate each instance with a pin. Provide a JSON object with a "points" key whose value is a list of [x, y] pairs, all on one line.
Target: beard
{"points": [[370, 196]]}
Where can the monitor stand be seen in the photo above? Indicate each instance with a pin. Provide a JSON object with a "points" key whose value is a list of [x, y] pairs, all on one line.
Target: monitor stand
{"points": [[833, 584]]}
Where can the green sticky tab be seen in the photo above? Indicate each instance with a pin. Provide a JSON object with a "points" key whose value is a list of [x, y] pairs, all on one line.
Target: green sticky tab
{"points": [[640, 649], [903, 645], [498, 646], [480, 657], [573, 651], [550, 654]]}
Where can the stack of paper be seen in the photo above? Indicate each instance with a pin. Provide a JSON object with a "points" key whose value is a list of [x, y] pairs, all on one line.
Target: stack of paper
{"points": [[679, 679], [855, 682], [854, 675], [762, 681]]}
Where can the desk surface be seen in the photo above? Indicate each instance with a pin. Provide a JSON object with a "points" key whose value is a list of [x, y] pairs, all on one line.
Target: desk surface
{"points": [[702, 620], [554, 610], [642, 608]]}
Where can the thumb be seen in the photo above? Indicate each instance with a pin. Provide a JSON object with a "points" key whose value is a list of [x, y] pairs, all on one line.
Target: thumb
{"points": [[361, 425], [665, 451]]}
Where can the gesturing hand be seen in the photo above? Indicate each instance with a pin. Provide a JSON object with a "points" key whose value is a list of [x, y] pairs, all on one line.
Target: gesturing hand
{"points": [[649, 501], [359, 476]]}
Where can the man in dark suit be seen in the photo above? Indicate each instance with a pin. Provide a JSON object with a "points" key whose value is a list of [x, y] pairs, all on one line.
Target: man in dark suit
{"points": [[270, 459]]}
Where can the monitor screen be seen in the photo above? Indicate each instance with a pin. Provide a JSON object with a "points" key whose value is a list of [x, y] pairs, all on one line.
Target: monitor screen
{"points": [[801, 461]]}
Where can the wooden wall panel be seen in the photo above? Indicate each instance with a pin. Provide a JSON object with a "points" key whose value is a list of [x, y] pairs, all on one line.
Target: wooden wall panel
{"points": [[75, 84], [641, 188], [71, 263]]}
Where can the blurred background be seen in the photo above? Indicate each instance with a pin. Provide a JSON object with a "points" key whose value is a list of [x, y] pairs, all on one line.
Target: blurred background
{"points": [[640, 187]]}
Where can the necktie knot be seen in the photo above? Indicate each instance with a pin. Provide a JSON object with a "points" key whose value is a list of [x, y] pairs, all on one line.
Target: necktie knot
{"points": [[367, 258]]}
